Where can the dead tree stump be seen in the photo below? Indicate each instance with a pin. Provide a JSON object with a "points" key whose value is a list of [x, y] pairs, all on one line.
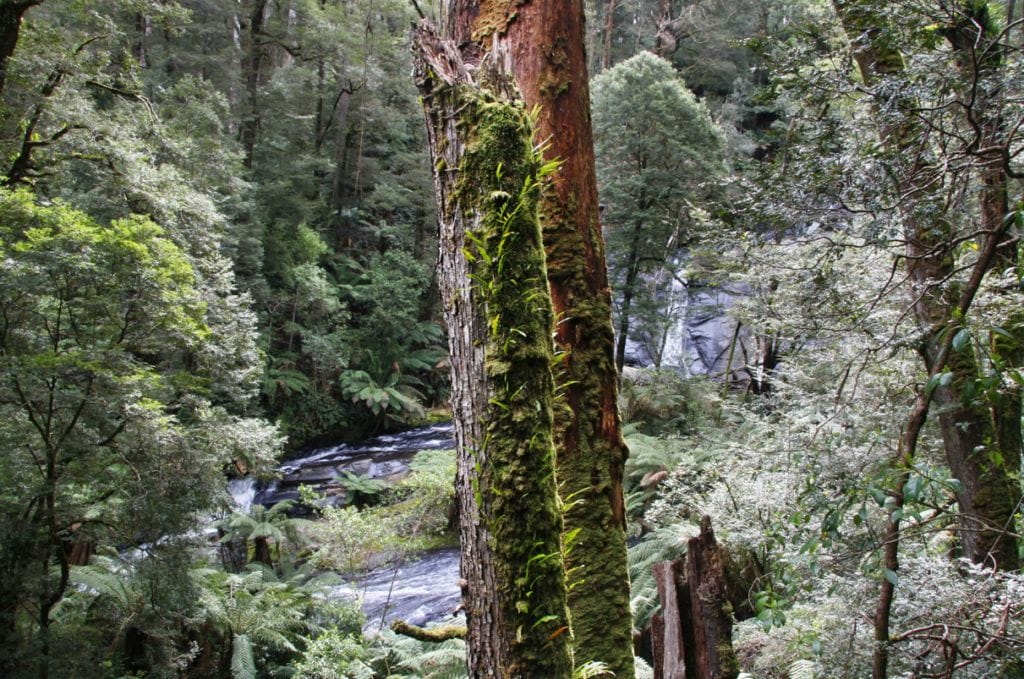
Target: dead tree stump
{"points": [[692, 635]]}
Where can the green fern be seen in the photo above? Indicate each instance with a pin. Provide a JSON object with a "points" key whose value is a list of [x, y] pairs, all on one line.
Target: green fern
{"points": [[395, 655], [111, 578], [664, 544], [255, 608], [243, 666], [590, 670], [446, 660], [803, 669]]}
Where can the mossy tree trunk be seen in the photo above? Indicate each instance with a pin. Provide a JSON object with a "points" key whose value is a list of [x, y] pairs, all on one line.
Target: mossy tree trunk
{"points": [[544, 43], [499, 317]]}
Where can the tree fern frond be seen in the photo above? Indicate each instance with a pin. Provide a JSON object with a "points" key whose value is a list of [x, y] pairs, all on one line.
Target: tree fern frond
{"points": [[243, 665], [803, 669], [105, 583], [445, 660]]}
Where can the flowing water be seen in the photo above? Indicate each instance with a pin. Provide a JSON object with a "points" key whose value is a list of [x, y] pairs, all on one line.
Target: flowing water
{"points": [[381, 457], [420, 590]]}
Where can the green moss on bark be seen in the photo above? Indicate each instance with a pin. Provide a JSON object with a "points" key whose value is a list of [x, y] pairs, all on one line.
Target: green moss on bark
{"points": [[498, 184], [591, 453]]}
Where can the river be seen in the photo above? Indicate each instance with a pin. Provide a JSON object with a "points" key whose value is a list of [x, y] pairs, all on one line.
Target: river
{"points": [[420, 590]]}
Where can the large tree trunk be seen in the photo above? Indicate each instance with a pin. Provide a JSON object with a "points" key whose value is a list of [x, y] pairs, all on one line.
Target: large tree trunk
{"points": [[545, 45], [499, 321]]}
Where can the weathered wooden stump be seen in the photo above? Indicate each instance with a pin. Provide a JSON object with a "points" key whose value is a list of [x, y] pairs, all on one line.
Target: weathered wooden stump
{"points": [[692, 636]]}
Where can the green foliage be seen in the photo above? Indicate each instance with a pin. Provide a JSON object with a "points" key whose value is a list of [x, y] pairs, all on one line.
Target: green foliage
{"points": [[333, 655], [659, 163], [243, 666], [266, 532], [663, 544], [658, 401], [260, 618], [362, 489], [413, 516], [103, 394], [401, 656], [373, 356]]}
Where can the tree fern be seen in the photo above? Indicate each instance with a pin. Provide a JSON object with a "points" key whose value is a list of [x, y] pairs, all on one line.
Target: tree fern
{"points": [[446, 660], [395, 655], [109, 577]]}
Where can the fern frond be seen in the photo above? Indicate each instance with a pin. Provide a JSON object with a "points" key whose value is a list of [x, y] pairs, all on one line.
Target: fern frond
{"points": [[590, 670], [444, 661], [803, 669], [104, 583], [243, 666]]}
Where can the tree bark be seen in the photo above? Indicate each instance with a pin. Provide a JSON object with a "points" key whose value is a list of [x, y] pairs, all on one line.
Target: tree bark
{"points": [[695, 624], [499, 325], [628, 289], [545, 51], [606, 37]]}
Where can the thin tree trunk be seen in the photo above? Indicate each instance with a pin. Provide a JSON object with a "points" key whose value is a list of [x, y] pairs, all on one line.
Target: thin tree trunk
{"points": [[340, 161], [628, 289], [609, 30], [1011, 11], [252, 66], [142, 29]]}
